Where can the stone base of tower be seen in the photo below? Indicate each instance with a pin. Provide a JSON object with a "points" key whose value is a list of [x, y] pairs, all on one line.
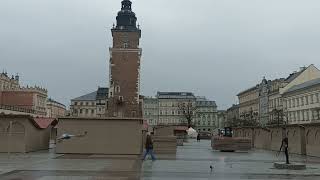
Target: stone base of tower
{"points": [[112, 136], [124, 111]]}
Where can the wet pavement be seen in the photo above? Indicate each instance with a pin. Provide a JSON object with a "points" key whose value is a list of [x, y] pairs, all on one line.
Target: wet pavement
{"points": [[191, 162]]}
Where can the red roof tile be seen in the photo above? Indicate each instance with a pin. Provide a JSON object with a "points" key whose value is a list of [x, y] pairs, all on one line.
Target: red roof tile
{"points": [[43, 122]]}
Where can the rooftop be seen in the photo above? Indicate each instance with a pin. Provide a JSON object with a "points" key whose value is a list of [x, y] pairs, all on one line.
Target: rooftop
{"points": [[101, 93], [53, 101], [304, 85], [88, 97], [175, 95]]}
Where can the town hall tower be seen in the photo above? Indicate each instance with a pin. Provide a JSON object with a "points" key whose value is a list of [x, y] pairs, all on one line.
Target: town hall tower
{"points": [[124, 66]]}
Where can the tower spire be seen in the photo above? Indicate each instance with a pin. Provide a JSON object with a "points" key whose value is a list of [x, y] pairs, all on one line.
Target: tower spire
{"points": [[126, 5], [126, 19]]}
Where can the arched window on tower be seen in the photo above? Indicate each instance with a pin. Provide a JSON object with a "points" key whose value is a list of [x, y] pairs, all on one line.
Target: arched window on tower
{"points": [[117, 89]]}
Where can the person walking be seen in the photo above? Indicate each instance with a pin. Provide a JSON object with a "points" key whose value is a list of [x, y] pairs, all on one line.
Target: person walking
{"points": [[149, 148], [198, 137]]}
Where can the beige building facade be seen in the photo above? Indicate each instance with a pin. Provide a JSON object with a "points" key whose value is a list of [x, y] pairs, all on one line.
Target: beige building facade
{"points": [[275, 99], [206, 117], [263, 104], [151, 111], [249, 104], [55, 109], [90, 105], [232, 116], [170, 112], [302, 103]]}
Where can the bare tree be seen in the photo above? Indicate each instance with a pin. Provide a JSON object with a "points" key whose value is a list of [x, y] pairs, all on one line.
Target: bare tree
{"points": [[280, 117], [188, 110]]}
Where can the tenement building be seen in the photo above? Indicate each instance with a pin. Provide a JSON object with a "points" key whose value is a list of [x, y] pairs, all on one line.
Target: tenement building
{"points": [[302, 102], [55, 109], [249, 105], [263, 104], [174, 107], [151, 110], [124, 65], [206, 118], [222, 118], [232, 116], [90, 105], [275, 108]]}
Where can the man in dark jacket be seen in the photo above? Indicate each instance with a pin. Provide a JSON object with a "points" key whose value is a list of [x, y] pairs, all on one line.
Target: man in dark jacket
{"points": [[285, 145], [198, 137], [149, 148]]}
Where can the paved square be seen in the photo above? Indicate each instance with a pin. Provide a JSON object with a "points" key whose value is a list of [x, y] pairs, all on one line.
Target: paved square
{"points": [[192, 161]]}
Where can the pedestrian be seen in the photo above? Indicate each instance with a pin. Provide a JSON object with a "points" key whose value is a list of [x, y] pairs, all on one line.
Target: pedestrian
{"points": [[149, 148], [198, 137], [285, 145]]}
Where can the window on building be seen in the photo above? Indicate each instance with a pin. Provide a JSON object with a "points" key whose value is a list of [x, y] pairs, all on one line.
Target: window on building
{"points": [[75, 111], [293, 103], [317, 97], [209, 130], [75, 103], [87, 103], [87, 111], [92, 111], [307, 100], [117, 89], [80, 111], [81, 103], [311, 99], [133, 113], [172, 112]]}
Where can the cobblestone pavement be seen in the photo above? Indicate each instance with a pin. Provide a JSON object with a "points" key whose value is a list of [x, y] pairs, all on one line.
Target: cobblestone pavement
{"points": [[191, 162]]}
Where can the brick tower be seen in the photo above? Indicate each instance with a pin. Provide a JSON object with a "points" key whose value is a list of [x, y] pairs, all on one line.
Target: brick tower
{"points": [[124, 77]]}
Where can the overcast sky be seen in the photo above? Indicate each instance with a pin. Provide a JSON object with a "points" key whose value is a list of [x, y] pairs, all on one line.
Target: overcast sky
{"points": [[214, 48]]}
